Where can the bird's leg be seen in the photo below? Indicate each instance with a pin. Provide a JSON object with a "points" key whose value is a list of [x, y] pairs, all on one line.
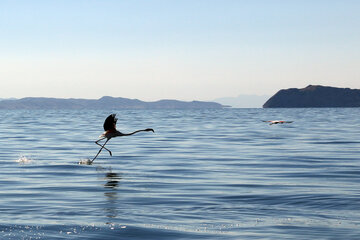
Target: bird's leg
{"points": [[103, 146]]}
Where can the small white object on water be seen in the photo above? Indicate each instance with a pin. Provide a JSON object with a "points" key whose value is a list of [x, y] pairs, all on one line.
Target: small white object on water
{"points": [[23, 160], [85, 161]]}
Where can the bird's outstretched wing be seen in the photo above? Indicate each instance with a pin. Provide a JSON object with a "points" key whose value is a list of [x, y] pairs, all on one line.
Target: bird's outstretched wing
{"points": [[277, 122], [110, 122]]}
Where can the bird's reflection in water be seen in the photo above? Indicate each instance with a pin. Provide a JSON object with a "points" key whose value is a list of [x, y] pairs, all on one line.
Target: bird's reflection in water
{"points": [[111, 185], [112, 180]]}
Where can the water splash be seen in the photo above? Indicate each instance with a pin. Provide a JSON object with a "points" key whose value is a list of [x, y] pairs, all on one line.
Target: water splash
{"points": [[24, 160], [85, 161]]}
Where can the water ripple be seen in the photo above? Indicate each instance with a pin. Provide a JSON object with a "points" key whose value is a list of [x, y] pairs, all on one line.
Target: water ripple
{"points": [[204, 174]]}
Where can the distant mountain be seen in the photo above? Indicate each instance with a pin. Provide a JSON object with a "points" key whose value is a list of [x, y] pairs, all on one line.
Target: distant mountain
{"points": [[314, 96], [102, 103], [1, 99], [243, 101]]}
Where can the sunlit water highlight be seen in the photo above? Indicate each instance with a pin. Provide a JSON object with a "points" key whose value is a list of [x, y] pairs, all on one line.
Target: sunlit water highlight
{"points": [[203, 174]]}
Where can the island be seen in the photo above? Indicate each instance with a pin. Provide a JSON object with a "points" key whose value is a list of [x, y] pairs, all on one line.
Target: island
{"points": [[314, 96], [102, 103]]}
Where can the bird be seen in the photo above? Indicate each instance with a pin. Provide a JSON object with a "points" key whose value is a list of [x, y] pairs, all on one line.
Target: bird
{"points": [[111, 132], [277, 122]]}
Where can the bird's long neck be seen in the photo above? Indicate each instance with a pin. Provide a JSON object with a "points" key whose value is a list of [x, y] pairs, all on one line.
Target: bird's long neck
{"points": [[129, 134]]}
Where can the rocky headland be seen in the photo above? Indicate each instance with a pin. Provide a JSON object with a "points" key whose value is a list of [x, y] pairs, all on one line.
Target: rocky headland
{"points": [[314, 96]]}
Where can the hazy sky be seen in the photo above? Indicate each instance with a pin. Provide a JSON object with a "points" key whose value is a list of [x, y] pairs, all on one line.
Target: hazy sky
{"points": [[178, 49]]}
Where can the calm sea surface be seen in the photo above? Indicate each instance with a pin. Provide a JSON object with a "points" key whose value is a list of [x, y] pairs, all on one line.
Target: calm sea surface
{"points": [[203, 174]]}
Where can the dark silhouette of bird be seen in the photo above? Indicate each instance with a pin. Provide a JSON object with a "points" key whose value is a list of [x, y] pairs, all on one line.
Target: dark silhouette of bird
{"points": [[277, 122], [111, 132]]}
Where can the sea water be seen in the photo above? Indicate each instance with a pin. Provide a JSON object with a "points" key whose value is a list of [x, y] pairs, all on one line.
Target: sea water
{"points": [[203, 174]]}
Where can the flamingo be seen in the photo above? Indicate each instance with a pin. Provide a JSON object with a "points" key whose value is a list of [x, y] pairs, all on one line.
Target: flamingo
{"points": [[110, 132], [277, 122]]}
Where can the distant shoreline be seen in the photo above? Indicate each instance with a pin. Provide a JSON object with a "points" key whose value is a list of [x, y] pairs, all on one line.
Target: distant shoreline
{"points": [[105, 102]]}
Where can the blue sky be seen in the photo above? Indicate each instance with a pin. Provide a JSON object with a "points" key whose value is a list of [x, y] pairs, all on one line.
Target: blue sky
{"points": [[176, 49]]}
